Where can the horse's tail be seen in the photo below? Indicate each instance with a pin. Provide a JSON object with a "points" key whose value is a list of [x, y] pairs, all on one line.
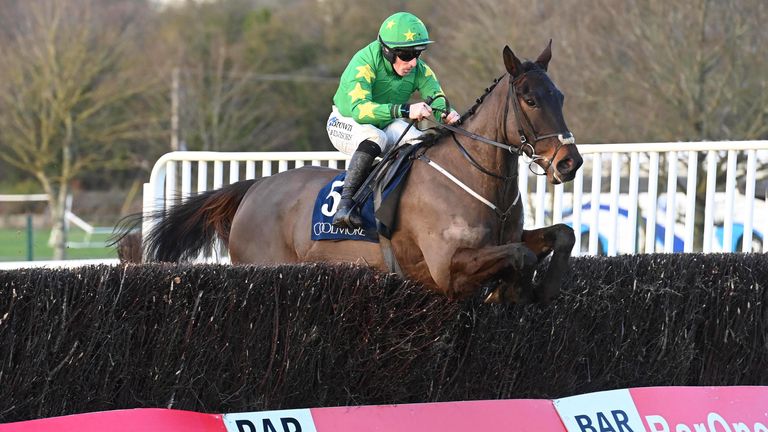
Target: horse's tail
{"points": [[182, 231]]}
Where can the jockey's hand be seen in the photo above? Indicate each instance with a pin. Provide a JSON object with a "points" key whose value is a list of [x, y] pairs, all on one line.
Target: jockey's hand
{"points": [[451, 118], [419, 111]]}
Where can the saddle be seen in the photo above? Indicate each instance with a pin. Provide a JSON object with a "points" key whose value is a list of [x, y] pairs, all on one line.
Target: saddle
{"points": [[377, 199], [385, 183]]}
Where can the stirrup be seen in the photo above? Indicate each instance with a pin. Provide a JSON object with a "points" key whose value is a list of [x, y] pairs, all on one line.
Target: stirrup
{"points": [[347, 217]]}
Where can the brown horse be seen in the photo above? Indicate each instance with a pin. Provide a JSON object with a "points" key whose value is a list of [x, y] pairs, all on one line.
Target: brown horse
{"points": [[460, 214]]}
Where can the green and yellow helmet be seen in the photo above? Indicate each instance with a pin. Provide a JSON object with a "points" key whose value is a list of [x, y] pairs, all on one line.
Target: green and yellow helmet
{"points": [[404, 30]]}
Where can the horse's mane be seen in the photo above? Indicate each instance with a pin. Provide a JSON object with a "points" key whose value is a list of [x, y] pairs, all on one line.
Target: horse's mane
{"points": [[436, 133]]}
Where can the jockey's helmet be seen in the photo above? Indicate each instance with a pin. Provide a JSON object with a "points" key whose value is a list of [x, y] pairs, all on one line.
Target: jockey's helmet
{"points": [[404, 35]]}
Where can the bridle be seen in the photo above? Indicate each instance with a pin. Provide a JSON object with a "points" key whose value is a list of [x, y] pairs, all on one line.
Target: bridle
{"points": [[523, 122], [564, 138]]}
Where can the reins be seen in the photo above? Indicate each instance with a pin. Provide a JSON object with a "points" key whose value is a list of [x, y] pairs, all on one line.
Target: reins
{"points": [[523, 123]]}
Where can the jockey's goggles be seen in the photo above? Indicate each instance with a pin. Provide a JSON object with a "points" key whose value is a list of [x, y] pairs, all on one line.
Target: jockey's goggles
{"points": [[407, 55]]}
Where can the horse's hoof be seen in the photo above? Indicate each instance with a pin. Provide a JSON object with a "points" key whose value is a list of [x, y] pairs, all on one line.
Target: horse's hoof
{"points": [[493, 297]]}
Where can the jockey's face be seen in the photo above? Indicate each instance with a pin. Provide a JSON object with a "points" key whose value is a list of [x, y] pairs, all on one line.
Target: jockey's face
{"points": [[403, 68]]}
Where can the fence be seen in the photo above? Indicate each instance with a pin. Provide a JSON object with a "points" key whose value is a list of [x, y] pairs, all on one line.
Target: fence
{"points": [[617, 203], [70, 219]]}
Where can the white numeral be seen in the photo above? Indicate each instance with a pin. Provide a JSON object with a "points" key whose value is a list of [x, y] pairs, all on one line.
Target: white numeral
{"points": [[335, 197]]}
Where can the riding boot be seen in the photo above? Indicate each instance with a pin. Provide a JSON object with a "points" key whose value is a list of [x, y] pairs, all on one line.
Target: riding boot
{"points": [[347, 215]]}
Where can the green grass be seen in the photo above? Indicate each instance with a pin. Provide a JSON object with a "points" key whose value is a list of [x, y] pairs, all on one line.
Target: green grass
{"points": [[13, 245]]}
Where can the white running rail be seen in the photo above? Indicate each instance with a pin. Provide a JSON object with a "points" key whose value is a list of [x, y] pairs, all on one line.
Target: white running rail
{"points": [[646, 193]]}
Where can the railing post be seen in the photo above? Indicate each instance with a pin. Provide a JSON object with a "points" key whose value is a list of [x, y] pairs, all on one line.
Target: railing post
{"points": [[709, 201], [613, 239], [578, 196], [690, 208], [653, 184], [669, 221], [597, 175], [30, 238], [634, 180], [746, 242]]}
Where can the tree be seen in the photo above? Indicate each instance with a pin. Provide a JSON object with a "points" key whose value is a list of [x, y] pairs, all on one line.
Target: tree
{"points": [[71, 97], [220, 107], [468, 45], [247, 75], [685, 71]]}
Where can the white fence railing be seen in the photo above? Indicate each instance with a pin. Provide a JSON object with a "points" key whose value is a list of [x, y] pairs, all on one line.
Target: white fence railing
{"points": [[627, 198]]}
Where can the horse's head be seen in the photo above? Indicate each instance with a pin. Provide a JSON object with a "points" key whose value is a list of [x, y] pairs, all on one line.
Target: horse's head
{"points": [[535, 118]]}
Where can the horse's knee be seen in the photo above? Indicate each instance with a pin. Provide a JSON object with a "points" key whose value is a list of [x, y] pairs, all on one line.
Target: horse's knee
{"points": [[516, 285], [506, 265], [521, 258], [563, 238]]}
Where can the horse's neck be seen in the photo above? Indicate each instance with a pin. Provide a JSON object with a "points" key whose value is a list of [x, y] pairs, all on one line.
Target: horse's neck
{"points": [[488, 121]]}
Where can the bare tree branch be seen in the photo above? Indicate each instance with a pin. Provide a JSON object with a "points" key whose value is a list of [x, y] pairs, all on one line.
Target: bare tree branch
{"points": [[63, 65]]}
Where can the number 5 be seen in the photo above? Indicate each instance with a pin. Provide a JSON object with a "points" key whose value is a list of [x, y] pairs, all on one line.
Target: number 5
{"points": [[335, 197]]}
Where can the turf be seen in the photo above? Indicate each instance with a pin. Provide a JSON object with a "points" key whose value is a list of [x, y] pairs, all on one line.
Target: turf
{"points": [[13, 245]]}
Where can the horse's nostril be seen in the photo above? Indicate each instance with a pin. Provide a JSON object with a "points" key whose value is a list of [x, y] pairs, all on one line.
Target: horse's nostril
{"points": [[565, 166]]}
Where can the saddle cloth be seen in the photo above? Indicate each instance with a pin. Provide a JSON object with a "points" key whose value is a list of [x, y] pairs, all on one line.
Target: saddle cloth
{"points": [[379, 214], [327, 202]]}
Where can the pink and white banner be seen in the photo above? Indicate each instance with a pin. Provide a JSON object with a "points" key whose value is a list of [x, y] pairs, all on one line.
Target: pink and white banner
{"points": [[667, 409], [652, 409], [134, 420]]}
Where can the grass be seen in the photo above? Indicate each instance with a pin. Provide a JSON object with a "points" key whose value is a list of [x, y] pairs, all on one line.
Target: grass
{"points": [[13, 245]]}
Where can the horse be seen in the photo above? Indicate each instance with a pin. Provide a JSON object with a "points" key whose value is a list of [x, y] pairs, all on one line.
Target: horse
{"points": [[460, 218]]}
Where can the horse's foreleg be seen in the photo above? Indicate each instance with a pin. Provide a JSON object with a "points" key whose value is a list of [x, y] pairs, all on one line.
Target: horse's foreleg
{"points": [[512, 264], [559, 240]]}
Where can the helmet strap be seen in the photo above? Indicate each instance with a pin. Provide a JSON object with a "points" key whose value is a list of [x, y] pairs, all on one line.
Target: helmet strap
{"points": [[388, 52]]}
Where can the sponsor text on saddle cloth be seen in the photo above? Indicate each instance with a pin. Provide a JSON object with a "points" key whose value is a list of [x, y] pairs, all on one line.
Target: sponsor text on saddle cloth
{"points": [[382, 220]]}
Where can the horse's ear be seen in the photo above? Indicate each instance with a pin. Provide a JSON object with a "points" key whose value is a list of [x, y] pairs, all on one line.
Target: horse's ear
{"points": [[545, 56], [514, 67]]}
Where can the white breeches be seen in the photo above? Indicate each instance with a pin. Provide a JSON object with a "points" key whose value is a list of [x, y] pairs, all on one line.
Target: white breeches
{"points": [[346, 134]]}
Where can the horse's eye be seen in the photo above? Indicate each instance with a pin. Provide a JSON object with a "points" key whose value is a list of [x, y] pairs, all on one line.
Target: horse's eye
{"points": [[530, 102]]}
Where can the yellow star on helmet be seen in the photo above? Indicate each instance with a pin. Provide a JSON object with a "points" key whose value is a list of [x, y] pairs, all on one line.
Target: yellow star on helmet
{"points": [[366, 110], [409, 35], [358, 92], [428, 71], [390, 24], [366, 72]]}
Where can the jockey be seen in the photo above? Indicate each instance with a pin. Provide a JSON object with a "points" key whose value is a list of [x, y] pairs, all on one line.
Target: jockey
{"points": [[372, 101]]}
